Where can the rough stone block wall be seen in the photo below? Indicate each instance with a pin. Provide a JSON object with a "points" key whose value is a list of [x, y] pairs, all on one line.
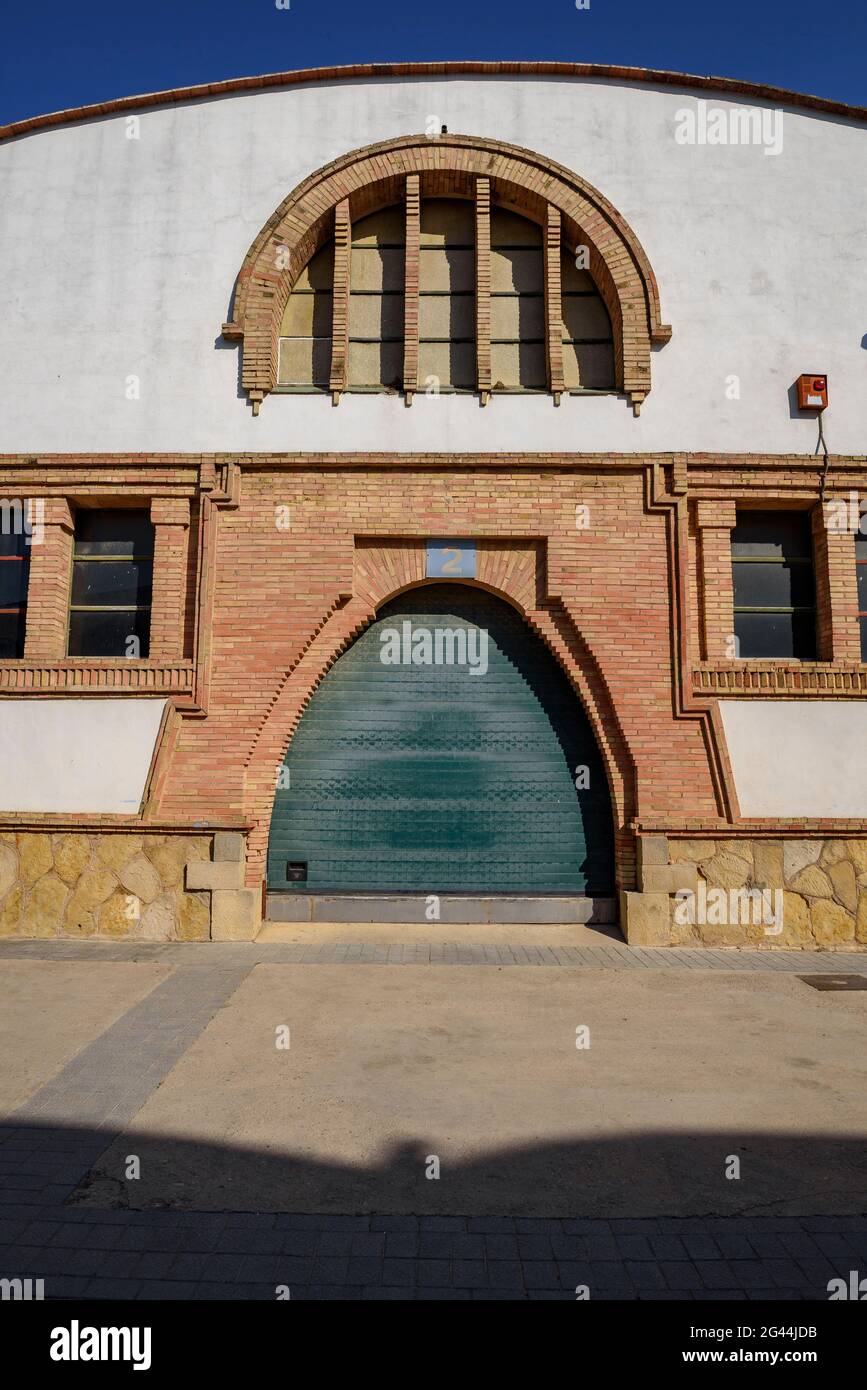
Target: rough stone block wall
{"points": [[822, 885], [99, 884]]}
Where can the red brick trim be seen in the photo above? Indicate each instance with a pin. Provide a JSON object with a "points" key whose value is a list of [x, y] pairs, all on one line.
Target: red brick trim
{"points": [[647, 77], [375, 176]]}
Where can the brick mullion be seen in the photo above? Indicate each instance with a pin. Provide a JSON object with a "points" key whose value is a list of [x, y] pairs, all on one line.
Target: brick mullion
{"points": [[715, 522], [411, 278], [48, 589], [553, 304], [171, 521], [837, 629], [340, 300], [483, 287]]}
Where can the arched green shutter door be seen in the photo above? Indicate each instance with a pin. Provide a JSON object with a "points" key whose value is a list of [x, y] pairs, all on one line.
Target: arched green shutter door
{"points": [[437, 778]]}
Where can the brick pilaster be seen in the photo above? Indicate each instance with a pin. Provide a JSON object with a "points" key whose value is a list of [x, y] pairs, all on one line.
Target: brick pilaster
{"points": [[483, 287], [715, 522], [340, 301], [837, 632], [48, 589], [553, 304], [171, 519], [410, 316]]}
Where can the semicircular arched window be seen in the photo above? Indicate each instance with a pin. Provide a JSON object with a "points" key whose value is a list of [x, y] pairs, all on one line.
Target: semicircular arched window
{"points": [[458, 252], [455, 265]]}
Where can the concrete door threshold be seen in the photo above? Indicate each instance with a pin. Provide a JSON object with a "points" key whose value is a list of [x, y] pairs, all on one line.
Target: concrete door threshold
{"points": [[326, 934], [447, 909]]}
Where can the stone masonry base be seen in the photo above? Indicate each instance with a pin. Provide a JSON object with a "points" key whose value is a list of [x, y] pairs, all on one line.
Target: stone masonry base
{"points": [[189, 886], [103, 884], [748, 892]]}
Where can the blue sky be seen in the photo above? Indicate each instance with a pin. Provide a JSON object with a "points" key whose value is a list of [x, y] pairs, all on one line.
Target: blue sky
{"points": [[56, 54]]}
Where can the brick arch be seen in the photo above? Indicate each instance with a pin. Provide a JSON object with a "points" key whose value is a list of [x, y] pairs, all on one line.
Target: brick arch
{"points": [[514, 572], [361, 182]]}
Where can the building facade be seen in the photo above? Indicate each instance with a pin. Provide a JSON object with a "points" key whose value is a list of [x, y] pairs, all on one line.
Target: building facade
{"points": [[450, 521]]}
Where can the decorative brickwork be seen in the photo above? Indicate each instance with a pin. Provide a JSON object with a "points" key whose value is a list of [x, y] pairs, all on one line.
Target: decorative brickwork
{"points": [[514, 571], [267, 610], [446, 166]]}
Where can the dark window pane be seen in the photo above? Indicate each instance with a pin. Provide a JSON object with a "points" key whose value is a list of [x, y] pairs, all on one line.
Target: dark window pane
{"points": [[12, 537], [107, 634], [13, 583], [773, 534], [113, 533], [776, 635], [11, 635], [761, 585], [861, 571], [110, 582], [860, 545], [863, 622]]}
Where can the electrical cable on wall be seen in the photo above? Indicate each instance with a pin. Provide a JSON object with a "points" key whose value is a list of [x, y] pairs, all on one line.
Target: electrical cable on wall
{"points": [[827, 457]]}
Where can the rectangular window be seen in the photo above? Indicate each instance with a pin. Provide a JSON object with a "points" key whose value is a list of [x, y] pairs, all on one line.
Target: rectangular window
{"points": [[861, 572], [112, 570], [14, 574], [774, 585]]}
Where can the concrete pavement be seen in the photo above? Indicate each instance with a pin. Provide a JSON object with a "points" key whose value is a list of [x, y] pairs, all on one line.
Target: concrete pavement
{"points": [[610, 1159]]}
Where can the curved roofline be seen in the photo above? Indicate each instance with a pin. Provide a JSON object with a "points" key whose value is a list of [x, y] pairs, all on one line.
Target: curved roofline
{"points": [[648, 76]]}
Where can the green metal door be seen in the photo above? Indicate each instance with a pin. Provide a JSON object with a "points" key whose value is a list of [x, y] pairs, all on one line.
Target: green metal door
{"points": [[439, 755]]}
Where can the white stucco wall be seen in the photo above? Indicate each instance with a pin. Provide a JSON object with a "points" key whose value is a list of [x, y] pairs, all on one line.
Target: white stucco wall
{"points": [[76, 755], [118, 258], [798, 757]]}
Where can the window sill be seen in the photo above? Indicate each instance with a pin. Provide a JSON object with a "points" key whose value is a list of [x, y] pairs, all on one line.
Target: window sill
{"points": [[96, 676], [757, 677], [288, 390]]}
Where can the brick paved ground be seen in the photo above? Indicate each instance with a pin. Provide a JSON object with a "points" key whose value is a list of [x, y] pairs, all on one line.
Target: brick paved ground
{"points": [[613, 955], [51, 1142]]}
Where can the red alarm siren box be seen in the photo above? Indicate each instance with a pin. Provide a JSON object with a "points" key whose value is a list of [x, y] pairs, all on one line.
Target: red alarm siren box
{"points": [[812, 391]]}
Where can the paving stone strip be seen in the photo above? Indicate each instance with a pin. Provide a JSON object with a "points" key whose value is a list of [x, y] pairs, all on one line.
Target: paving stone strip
{"points": [[218, 956], [108, 1081]]}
